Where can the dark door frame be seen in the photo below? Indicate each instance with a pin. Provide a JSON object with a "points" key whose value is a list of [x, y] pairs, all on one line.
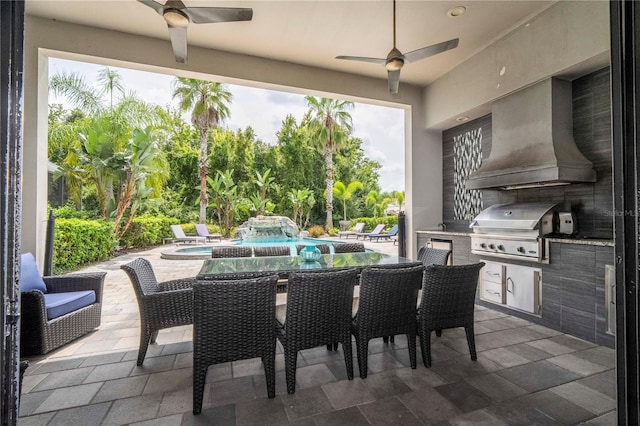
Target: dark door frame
{"points": [[11, 97], [625, 97]]}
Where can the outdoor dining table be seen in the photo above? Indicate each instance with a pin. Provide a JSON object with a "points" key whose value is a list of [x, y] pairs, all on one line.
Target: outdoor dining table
{"points": [[284, 265]]}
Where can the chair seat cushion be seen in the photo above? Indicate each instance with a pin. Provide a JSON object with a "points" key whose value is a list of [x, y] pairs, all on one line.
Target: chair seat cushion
{"points": [[30, 278], [58, 304]]}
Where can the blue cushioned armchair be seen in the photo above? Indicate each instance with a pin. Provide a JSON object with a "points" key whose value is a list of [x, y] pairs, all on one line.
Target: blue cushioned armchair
{"points": [[56, 310]]}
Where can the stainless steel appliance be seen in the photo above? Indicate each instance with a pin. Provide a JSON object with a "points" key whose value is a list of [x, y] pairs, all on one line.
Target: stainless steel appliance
{"points": [[567, 223], [517, 287], [516, 231]]}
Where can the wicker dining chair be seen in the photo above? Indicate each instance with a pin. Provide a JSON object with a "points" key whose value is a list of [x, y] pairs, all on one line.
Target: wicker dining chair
{"points": [[387, 306], [319, 306], [161, 304], [433, 256], [324, 248], [231, 251], [272, 251], [448, 297], [233, 320], [348, 248]]}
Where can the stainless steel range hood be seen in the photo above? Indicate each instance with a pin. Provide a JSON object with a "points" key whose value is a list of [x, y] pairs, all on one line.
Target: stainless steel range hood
{"points": [[532, 141]]}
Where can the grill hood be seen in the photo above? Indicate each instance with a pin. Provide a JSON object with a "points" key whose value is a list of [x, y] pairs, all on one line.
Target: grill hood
{"points": [[532, 141]]}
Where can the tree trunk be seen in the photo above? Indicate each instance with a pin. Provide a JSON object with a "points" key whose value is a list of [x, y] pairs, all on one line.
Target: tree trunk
{"points": [[204, 201], [328, 159]]}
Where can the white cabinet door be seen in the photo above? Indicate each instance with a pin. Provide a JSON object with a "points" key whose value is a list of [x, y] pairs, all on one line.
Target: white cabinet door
{"points": [[523, 288]]}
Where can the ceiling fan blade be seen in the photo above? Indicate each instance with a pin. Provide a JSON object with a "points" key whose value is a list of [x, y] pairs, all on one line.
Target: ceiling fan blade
{"points": [[153, 5], [179, 42], [394, 81], [208, 15], [362, 59], [434, 49]]}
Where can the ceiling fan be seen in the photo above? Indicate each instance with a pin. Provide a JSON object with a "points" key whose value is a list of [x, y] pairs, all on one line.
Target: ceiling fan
{"points": [[178, 17], [395, 60]]}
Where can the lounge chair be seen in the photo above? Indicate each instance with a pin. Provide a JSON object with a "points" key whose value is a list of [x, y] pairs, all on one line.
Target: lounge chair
{"points": [[385, 235], [359, 227], [180, 237], [202, 231], [378, 229]]}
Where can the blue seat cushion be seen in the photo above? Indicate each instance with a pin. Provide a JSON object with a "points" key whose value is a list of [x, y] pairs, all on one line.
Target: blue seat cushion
{"points": [[30, 278], [58, 304]]}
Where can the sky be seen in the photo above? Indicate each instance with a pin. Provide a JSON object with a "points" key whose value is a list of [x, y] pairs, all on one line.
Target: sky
{"points": [[381, 129]]}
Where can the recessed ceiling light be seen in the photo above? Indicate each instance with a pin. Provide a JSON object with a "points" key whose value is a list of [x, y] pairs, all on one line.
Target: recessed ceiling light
{"points": [[462, 118], [456, 11], [503, 70]]}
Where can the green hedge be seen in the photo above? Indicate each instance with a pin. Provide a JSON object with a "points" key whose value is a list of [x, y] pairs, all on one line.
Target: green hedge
{"points": [[148, 231], [78, 241], [371, 222]]}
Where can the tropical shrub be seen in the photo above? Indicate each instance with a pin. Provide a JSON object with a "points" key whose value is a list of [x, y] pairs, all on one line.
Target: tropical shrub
{"points": [[333, 231], [148, 231], [316, 231], [78, 241]]}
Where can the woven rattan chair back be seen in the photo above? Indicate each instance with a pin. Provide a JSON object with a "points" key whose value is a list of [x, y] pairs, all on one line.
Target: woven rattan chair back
{"points": [[348, 248], [142, 277], [161, 305], [233, 320], [272, 251], [319, 306], [324, 248], [448, 297], [387, 306], [231, 251], [432, 256]]}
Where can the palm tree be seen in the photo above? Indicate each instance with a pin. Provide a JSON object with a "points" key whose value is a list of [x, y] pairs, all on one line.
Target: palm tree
{"points": [[209, 105], [329, 125], [400, 198], [345, 193]]}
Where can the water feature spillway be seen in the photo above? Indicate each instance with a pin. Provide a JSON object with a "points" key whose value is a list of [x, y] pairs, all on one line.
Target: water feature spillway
{"points": [[267, 228]]}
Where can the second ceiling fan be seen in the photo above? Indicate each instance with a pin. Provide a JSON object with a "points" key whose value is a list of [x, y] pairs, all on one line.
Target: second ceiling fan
{"points": [[395, 59]]}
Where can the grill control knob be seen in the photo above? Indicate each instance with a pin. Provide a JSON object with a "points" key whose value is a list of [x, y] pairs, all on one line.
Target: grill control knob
{"points": [[521, 249], [501, 247], [483, 245], [492, 246]]}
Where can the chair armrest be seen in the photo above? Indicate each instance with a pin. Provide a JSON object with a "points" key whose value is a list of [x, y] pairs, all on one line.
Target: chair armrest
{"points": [[32, 309], [77, 282], [181, 284]]}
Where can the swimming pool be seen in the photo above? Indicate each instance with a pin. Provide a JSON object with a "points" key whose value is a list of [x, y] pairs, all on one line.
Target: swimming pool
{"points": [[204, 251]]}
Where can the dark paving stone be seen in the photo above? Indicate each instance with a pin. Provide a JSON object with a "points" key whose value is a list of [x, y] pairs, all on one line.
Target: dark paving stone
{"points": [[51, 366], [556, 407], [388, 411], [102, 359], [605, 383], [347, 417], [429, 405], [64, 378], [224, 416], [30, 401], [418, 378], [313, 375], [305, 403], [134, 409], [347, 393], [260, 411], [496, 387], [464, 396], [599, 355], [339, 368], [229, 391], [538, 375], [529, 352], [476, 418], [455, 369], [37, 420], [385, 384], [121, 388], [85, 415]]}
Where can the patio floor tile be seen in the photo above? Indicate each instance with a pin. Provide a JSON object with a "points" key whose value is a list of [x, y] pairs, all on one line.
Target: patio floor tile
{"points": [[538, 375], [347, 393], [388, 411], [134, 409], [73, 396], [121, 388], [86, 414]]}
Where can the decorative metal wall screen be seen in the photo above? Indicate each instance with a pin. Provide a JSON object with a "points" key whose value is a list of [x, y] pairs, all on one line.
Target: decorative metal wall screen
{"points": [[467, 157]]}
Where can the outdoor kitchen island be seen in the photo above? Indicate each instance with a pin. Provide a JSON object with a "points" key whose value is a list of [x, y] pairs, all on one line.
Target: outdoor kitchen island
{"points": [[573, 296]]}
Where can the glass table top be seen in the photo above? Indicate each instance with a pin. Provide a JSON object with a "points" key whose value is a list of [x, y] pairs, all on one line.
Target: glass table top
{"points": [[284, 265]]}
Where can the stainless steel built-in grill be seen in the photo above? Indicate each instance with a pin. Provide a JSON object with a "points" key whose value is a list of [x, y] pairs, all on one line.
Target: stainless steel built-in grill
{"points": [[515, 231]]}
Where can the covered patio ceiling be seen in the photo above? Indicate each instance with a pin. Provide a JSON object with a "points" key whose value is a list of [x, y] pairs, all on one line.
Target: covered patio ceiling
{"points": [[313, 33]]}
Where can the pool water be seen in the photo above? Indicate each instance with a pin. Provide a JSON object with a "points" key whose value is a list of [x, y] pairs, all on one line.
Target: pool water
{"points": [[206, 250]]}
